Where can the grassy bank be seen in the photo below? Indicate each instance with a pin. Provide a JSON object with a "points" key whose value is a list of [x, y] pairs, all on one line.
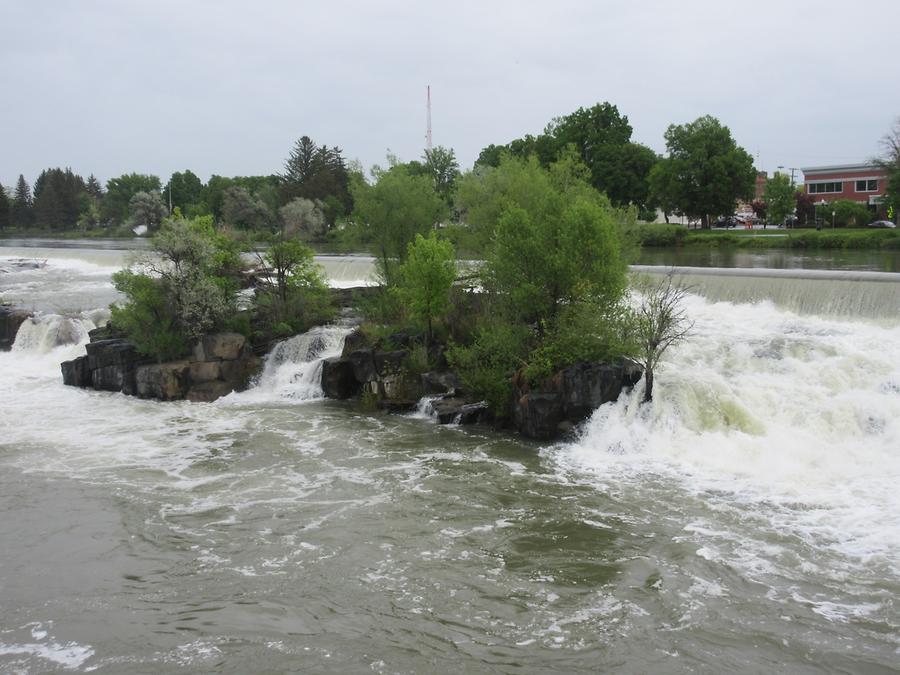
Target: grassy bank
{"points": [[672, 236]]}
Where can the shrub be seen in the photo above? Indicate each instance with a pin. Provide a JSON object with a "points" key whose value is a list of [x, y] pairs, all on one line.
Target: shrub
{"points": [[425, 279]]}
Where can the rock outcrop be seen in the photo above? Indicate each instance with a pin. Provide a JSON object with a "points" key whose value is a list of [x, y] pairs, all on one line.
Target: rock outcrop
{"points": [[10, 320], [220, 363], [569, 396]]}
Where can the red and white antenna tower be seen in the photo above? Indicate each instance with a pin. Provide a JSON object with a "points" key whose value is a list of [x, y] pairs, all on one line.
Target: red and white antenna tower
{"points": [[428, 118]]}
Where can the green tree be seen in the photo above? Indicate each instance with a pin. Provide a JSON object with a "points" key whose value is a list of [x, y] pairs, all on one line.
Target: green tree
{"points": [[890, 161], [184, 190], [146, 210], [189, 289], [58, 199], [22, 212], [241, 209], [779, 198], [440, 163], [93, 187], [393, 210], [317, 172], [705, 172], [5, 207], [425, 280], [304, 217], [120, 190]]}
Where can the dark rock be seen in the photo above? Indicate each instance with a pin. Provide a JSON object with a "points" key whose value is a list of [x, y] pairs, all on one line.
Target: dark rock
{"points": [[339, 379], [354, 341], [111, 352], [403, 340], [76, 372], [390, 363], [460, 410], [163, 381], [446, 382], [570, 396], [363, 361], [208, 391], [10, 320], [205, 371]]}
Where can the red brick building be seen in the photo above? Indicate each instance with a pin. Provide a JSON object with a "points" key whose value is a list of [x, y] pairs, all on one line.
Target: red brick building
{"points": [[858, 182]]}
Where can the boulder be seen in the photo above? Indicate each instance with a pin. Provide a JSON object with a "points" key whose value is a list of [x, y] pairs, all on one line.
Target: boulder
{"points": [[569, 396], [354, 341], [339, 379], [363, 361], [219, 347], [205, 371], [390, 363], [460, 410], [163, 381], [208, 391], [10, 320], [446, 382], [76, 372]]}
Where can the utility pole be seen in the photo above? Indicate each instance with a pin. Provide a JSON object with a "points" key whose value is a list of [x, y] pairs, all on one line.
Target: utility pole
{"points": [[428, 118]]}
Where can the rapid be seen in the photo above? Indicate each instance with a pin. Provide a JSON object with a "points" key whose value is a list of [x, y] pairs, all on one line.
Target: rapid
{"points": [[746, 520]]}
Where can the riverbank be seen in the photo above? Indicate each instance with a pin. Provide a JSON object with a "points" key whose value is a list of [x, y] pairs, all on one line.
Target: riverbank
{"points": [[659, 235]]}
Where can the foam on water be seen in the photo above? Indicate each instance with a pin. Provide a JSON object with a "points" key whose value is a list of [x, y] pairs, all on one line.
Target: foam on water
{"points": [[797, 418]]}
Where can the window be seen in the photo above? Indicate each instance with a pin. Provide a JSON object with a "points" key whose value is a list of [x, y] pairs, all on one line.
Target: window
{"points": [[867, 185], [820, 188]]}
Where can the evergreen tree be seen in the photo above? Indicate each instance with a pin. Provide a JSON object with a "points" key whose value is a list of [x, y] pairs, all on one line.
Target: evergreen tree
{"points": [[59, 198], [22, 212], [93, 187], [317, 172], [4, 209]]}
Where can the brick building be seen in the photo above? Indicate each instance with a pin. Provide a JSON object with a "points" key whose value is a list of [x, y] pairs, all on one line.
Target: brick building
{"points": [[858, 182]]}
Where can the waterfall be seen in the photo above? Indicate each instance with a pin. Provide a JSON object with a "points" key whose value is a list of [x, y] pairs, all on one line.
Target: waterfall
{"points": [[44, 332], [293, 369], [826, 293]]}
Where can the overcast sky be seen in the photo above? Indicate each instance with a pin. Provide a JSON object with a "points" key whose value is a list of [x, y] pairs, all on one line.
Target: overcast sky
{"points": [[218, 86]]}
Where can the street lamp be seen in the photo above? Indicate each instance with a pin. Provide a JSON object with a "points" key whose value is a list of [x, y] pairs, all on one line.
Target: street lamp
{"points": [[792, 169]]}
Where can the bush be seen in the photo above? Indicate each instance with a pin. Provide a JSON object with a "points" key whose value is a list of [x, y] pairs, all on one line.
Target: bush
{"points": [[425, 279]]}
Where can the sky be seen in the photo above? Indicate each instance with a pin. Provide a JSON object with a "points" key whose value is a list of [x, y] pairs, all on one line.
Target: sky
{"points": [[223, 87]]}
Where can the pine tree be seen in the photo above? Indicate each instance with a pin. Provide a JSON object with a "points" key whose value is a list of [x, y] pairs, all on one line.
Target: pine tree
{"points": [[93, 187], [5, 209], [21, 212]]}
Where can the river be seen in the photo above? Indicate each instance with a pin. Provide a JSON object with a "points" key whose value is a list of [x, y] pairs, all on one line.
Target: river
{"points": [[745, 521]]}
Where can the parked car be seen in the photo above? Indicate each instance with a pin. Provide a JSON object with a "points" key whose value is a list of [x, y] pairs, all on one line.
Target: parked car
{"points": [[882, 223]]}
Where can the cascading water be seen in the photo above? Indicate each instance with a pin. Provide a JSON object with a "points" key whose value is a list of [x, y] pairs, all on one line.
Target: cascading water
{"points": [[745, 520], [293, 368], [45, 332]]}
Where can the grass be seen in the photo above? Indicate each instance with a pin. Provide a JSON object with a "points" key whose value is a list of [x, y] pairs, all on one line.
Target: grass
{"points": [[661, 235]]}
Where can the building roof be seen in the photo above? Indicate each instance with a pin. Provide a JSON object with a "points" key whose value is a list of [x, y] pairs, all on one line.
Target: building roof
{"points": [[834, 168]]}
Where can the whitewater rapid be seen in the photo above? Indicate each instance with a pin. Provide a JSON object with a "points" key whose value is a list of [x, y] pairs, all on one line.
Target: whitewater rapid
{"points": [[747, 518]]}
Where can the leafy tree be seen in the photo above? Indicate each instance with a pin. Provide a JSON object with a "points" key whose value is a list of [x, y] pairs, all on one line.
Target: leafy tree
{"points": [[844, 213], [184, 190], [780, 199], [705, 171], [304, 217], [189, 289], [241, 209], [425, 279], [5, 207], [663, 188], [395, 209], [119, 192], [146, 209], [760, 208], [440, 163]]}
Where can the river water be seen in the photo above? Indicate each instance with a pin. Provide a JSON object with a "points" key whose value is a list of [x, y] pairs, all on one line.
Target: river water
{"points": [[746, 520]]}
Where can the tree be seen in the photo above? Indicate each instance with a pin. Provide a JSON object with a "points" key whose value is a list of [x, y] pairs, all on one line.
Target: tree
{"points": [[5, 207], [93, 187], [890, 161], [241, 209], [189, 289], [146, 209], [441, 165], [22, 214], [119, 192], [660, 321], [184, 190], [317, 172], [304, 217], [779, 197], [58, 198], [391, 213], [425, 279], [805, 207], [705, 171]]}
